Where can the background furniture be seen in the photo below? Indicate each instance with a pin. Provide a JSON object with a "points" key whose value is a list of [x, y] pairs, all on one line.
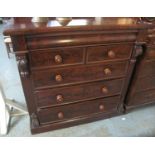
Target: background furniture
{"points": [[8, 44], [80, 72], [1, 21], [142, 90]]}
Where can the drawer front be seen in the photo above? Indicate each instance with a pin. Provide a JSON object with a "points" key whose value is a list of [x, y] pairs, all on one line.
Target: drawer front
{"points": [[151, 37], [76, 38], [58, 96], [146, 68], [57, 57], [150, 53], [66, 76], [145, 83], [109, 52], [144, 97], [74, 111]]}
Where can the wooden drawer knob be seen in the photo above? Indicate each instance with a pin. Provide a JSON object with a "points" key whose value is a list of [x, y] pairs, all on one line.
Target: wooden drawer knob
{"points": [[60, 115], [107, 71], [104, 90], [111, 54], [101, 107], [59, 98], [58, 59], [58, 78]]}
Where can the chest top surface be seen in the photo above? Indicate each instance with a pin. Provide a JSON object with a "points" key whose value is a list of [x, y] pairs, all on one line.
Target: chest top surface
{"points": [[82, 24]]}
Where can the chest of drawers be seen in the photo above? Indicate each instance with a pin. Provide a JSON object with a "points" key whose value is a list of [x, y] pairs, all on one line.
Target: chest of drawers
{"points": [[76, 74]]}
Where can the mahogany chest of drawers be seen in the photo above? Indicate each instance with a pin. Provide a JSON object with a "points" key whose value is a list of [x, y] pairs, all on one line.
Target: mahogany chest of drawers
{"points": [[81, 72]]}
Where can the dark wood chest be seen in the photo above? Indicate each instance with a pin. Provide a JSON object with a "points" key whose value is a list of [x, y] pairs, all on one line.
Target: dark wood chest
{"points": [[81, 73]]}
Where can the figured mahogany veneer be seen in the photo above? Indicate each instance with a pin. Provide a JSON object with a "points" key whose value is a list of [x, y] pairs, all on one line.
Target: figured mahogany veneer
{"points": [[87, 70], [41, 42], [109, 52], [59, 96], [75, 111], [57, 57], [75, 75]]}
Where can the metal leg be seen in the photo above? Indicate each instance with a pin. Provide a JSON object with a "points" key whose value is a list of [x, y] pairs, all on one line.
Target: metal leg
{"points": [[9, 108], [4, 115], [8, 44], [20, 110]]}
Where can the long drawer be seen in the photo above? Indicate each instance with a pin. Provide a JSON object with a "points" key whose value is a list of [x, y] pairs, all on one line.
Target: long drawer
{"points": [[74, 111], [74, 75], [108, 52], [56, 57], [59, 96]]}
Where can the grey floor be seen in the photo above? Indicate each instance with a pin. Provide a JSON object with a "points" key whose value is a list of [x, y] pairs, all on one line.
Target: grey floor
{"points": [[140, 122]]}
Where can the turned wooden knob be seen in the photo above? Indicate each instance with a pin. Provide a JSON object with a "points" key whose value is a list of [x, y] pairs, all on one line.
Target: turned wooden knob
{"points": [[58, 78], [58, 59], [101, 107], [104, 90], [59, 98], [111, 54], [107, 71], [60, 115]]}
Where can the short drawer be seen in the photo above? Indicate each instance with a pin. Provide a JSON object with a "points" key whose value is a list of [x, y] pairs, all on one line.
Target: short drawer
{"points": [[75, 111], [58, 96], [74, 75], [56, 57], [144, 97], [109, 52]]}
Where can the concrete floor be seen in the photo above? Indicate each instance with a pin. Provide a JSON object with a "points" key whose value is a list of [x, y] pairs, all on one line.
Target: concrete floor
{"points": [[140, 122]]}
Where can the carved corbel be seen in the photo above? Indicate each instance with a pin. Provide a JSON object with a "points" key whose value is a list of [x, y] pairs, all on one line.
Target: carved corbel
{"points": [[138, 50], [23, 65], [146, 20], [34, 120]]}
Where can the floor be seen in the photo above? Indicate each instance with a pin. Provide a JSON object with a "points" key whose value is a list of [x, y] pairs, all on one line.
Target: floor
{"points": [[140, 122]]}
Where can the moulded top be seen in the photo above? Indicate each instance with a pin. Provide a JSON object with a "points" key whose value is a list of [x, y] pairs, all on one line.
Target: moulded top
{"points": [[82, 24]]}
